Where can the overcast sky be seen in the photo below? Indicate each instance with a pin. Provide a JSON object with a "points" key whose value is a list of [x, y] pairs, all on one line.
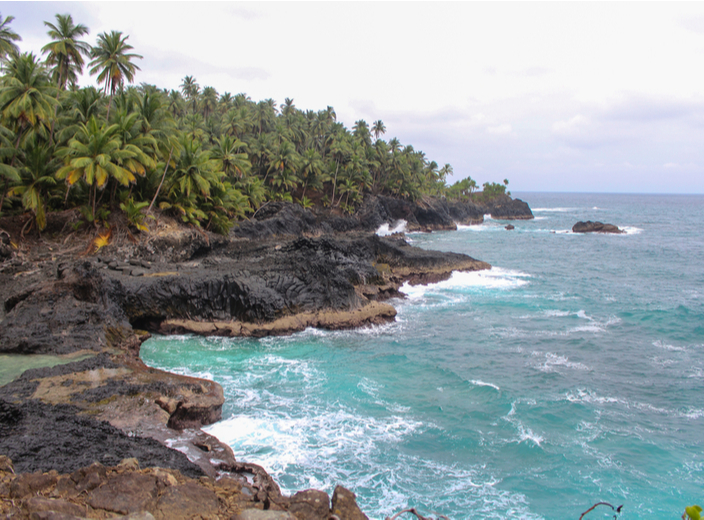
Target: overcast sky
{"points": [[598, 97]]}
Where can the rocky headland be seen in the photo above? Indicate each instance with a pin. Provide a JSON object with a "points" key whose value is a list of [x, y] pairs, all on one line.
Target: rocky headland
{"points": [[76, 434]]}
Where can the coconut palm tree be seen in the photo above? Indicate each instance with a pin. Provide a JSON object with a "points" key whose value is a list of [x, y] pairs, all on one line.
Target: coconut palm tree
{"points": [[176, 103], [283, 158], [361, 132], [225, 103], [8, 37], [95, 155], [78, 107], [26, 97], [311, 167], [191, 89], [112, 62], [8, 156], [230, 159], [66, 51], [37, 179], [195, 171], [209, 101], [378, 128]]}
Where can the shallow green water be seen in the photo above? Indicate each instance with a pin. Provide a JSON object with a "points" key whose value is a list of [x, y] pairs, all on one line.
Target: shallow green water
{"points": [[572, 372], [13, 365]]}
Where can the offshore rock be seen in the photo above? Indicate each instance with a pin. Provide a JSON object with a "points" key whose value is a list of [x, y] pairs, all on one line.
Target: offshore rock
{"points": [[595, 227]]}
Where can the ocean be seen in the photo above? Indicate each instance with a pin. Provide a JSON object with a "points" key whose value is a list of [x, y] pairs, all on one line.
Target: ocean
{"points": [[570, 373]]}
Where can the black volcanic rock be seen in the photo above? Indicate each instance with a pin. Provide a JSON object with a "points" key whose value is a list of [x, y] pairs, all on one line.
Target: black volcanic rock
{"points": [[41, 437], [595, 227]]}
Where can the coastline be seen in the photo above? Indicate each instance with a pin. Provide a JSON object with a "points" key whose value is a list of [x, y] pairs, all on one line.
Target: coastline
{"points": [[346, 275]]}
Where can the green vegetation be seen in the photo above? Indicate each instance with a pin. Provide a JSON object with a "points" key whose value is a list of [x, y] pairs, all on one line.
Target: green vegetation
{"points": [[206, 157], [692, 513]]}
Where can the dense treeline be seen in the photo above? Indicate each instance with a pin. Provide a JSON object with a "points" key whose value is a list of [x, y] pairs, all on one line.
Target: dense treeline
{"points": [[207, 157]]}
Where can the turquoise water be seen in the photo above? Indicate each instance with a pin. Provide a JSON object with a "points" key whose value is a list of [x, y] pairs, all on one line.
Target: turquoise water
{"points": [[571, 373]]}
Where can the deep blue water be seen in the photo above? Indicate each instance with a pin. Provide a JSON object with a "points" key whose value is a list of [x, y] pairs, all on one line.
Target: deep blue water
{"points": [[571, 373]]}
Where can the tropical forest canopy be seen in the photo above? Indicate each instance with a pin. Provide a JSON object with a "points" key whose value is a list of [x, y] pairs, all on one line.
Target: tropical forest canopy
{"points": [[210, 158]]}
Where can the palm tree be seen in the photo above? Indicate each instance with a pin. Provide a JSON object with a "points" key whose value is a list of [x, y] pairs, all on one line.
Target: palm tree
{"points": [[37, 180], [195, 171], [226, 102], [237, 121], [378, 128], [283, 157], [339, 149], [66, 51], [8, 37], [79, 107], [27, 96], [230, 160], [190, 89], [8, 154], [361, 132], [311, 168], [112, 62], [209, 99], [94, 156], [176, 103]]}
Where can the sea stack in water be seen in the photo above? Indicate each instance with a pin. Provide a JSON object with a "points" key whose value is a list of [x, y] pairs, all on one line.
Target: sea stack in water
{"points": [[595, 227]]}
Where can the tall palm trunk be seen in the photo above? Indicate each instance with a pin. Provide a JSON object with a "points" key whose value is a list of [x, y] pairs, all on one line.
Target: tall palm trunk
{"points": [[162, 181], [334, 184]]}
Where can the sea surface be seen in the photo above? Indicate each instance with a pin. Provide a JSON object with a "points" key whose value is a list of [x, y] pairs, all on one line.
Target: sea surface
{"points": [[570, 373]]}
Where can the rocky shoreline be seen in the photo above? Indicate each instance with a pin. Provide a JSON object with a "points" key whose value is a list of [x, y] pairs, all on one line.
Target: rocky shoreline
{"points": [[284, 270]]}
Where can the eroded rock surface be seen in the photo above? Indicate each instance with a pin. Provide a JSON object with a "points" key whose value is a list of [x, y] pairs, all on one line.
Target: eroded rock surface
{"points": [[125, 490]]}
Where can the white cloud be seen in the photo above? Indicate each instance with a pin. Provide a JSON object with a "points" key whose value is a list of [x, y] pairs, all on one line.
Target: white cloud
{"points": [[570, 127], [504, 129]]}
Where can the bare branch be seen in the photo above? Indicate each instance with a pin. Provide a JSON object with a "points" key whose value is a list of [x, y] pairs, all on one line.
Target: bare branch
{"points": [[617, 509]]}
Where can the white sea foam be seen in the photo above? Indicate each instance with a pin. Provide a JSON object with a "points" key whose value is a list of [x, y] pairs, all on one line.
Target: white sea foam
{"points": [[664, 346], [478, 382], [484, 226], [398, 227], [555, 210], [553, 361], [319, 439], [494, 278], [555, 313], [631, 230], [590, 397], [526, 434]]}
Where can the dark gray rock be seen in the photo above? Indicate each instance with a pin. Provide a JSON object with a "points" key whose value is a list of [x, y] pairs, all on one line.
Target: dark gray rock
{"points": [[41, 437], [595, 227]]}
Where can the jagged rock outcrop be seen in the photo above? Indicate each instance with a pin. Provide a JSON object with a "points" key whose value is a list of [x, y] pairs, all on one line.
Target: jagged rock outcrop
{"points": [[427, 214], [123, 488], [595, 227]]}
